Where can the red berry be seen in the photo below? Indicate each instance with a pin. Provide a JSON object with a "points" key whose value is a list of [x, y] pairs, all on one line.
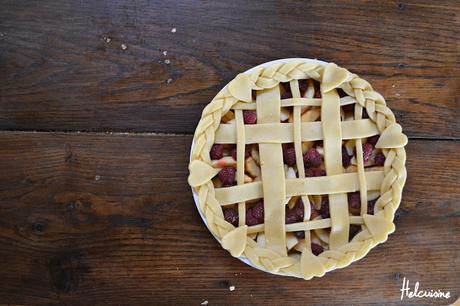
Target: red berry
{"points": [[317, 94], [231, 216], [251, 220], [234, 153], [312, 158], [316, 249], [354, 229], [346, 159], [365, 114], [370, 207], [299, 209], [299, 234], [373, 140], [258, 211], [296, 213], [324, 211], [309, 172], [217, 151], [379, 159], [303, 86], [349, 108], [291, 216], [341, 92], [247, 152], [289, 156], [367, 151], [227, 176], [354, 200], [287, 94], [314, 212], [249, 116], [320, 172]]}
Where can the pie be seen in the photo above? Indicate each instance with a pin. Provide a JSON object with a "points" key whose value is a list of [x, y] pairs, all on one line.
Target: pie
{"points": [[298, 167]]}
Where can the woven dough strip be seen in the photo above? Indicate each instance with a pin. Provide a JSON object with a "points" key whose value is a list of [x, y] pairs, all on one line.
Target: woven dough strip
{"points": [[392, 141]]}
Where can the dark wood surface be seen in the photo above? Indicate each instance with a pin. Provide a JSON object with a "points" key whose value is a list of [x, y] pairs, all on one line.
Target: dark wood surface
{"points": [[93, 217]]}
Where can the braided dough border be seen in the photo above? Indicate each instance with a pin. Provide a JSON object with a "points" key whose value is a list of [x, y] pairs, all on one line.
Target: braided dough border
{"points": [[392, 142]]}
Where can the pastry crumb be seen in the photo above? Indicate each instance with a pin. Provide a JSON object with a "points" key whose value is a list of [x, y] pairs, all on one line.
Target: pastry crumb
{"points": [[231, 288], [169, 81], [107, 39], [173, 30], [167, 61], [97, 177], [205, 302], [124, 47], [165, 52]]}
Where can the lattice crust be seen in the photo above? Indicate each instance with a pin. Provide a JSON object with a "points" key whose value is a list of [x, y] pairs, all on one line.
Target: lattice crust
{"points": [[274, 188]]}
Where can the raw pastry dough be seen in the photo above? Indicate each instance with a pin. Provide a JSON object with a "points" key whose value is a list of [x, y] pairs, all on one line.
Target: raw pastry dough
{"points": [[270, 250]]}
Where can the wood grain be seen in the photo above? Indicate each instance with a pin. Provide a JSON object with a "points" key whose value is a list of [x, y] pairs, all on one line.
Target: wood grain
{"points": [[57, 72], [105, 219]]}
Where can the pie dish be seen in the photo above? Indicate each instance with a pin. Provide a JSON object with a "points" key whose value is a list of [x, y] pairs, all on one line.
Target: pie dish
{"points": [[298, 167]]}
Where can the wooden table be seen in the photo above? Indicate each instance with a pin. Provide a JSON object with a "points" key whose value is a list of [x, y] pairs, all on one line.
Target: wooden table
{"points": [[98, 104]]}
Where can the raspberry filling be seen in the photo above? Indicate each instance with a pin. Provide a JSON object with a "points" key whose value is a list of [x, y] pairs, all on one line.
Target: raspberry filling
{"points": [[324, 211], [379, 159], [249, 117], [312, 158], [354, 204], [296, 213], [247, 152], [255, 214], [217, 151], [231, 216], [367, 151], [316, 249], [289, 156], [346, 159], [227, 176]]}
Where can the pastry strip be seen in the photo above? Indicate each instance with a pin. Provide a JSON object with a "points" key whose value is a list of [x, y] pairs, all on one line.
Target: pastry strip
{"points": [[240, 151], [297, 125], [360, 165], [341, 183], [284, 132], [338, 204], [271, 163], [295, 101]]}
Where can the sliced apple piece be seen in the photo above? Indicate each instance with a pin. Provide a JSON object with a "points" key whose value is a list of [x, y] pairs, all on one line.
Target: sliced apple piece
{"points": [[251, 167], [255, 155], [309, 93], [311, 115], [290, 173], [284, 114], [217, 182], [291, 240], [226, 161], [228, 116], [372, 195], [261, 240], [306, 145], [320, 150], [247, 179]]}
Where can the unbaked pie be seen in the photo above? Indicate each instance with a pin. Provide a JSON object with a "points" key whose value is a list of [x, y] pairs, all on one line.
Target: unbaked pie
{"points": [[298, 167]]}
